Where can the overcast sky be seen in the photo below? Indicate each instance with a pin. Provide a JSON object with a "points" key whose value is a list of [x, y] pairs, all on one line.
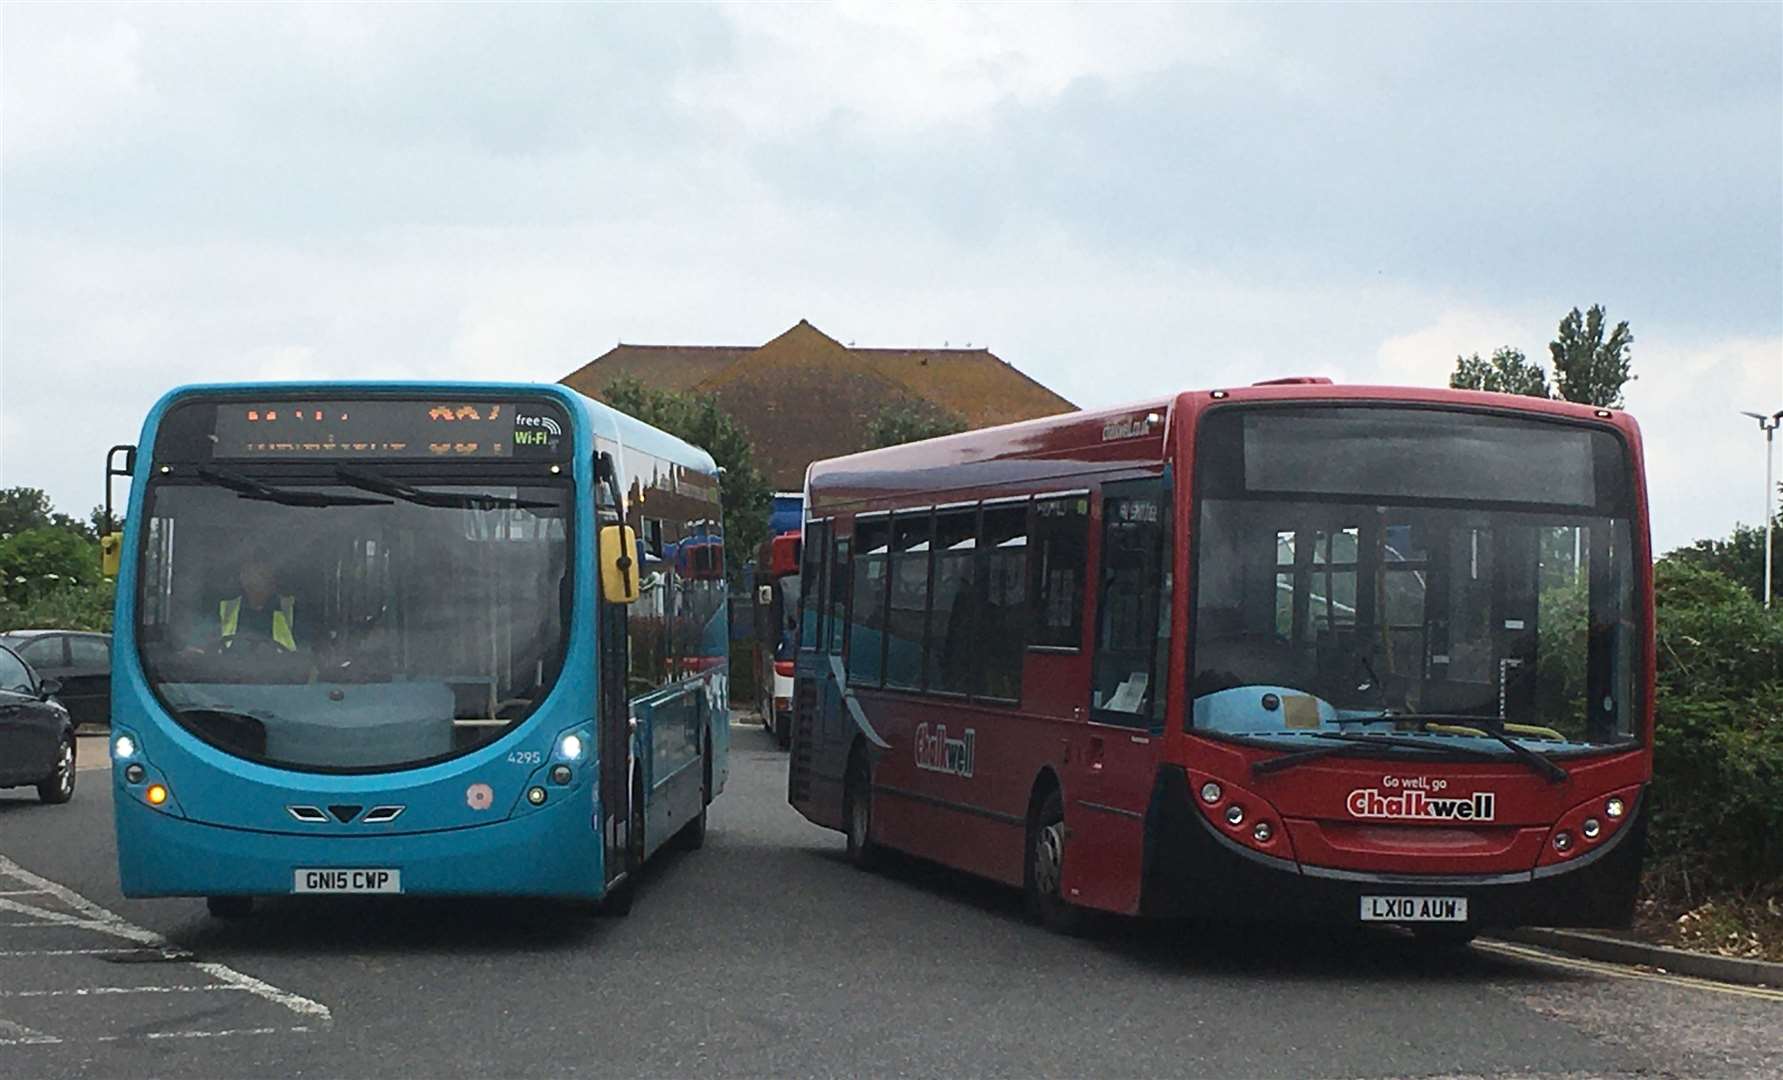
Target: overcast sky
{"points": [[1121, 201]]}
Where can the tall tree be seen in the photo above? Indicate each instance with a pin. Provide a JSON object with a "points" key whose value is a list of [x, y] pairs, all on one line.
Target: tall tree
{"points": [[1508, 372], [744, 494], [910, 421], [1588, 368]]}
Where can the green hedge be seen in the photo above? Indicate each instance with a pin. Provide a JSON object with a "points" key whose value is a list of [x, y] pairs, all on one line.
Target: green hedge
{"points": [[1718, 749]]}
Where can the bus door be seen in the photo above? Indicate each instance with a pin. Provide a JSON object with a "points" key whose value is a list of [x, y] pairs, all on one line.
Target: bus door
{"points": [[1116, 763], [612, 667]]}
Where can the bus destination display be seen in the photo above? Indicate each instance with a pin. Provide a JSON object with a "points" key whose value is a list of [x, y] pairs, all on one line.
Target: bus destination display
{"points": [[427, 429]]}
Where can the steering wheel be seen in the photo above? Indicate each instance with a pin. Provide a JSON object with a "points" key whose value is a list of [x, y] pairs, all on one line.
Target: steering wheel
{"points": [[248, 645]]}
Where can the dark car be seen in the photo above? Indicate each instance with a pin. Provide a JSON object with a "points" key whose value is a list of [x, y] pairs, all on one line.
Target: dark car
{"points": [[36, 734], [80, 661]]}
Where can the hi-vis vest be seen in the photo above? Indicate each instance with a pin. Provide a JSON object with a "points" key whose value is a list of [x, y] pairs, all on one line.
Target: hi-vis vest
{"points": [[229, 616]]}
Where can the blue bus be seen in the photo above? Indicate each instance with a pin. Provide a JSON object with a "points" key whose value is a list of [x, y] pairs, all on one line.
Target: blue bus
{"points": [[443, 639]]}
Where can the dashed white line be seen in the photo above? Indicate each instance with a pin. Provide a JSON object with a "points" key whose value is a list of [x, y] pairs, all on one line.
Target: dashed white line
{"points": [[12, 1034]]}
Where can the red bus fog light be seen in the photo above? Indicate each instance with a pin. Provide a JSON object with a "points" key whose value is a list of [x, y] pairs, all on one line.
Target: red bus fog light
{"points": [[1591, 828], [1262, 833], [1210, 793], [1563, 841], [1235, 814]]}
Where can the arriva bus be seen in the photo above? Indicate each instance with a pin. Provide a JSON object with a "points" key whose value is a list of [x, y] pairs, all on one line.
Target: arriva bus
{"points": [[424, 639], [1294, 651]]}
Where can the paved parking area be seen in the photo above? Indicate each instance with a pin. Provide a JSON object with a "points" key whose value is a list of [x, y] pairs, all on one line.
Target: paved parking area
{"points": [[66, 963]]}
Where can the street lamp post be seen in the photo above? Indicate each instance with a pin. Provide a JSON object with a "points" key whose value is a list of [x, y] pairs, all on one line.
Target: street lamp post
{"points": [[1769, 425]]}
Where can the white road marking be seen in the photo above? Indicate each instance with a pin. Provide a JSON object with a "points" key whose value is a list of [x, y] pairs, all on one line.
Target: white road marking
{"points": [[90, 916], [12, 1034], [1620, 971], [100, 991]]}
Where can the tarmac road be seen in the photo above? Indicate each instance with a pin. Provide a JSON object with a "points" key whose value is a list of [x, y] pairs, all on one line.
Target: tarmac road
{"points": [[765, 954]]}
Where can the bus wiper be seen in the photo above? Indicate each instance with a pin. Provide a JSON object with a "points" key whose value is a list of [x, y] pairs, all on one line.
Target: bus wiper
{"points": [[366, 480], [249, 488], [1352, 744], [1536, 760]]}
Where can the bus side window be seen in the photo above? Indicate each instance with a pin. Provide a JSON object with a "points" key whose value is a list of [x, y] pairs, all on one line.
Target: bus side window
{"points": [[866, 632], [811, 591], [906, 614], [1133, 611], [1060, 550], [953, 635], [1003, 603], [840, 579]]}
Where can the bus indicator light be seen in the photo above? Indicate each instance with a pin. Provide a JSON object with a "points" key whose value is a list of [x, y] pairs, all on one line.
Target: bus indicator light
{"points": [[1262, 833], [156, 794]]}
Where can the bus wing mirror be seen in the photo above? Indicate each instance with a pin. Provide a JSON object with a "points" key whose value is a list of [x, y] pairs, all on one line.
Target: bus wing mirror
{"points": [[111, 554], [619, 564]]}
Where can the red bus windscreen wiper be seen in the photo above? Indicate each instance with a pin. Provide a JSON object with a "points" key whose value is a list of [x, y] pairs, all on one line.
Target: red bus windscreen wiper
{"points": [[1536, 760], [1355, 744]]}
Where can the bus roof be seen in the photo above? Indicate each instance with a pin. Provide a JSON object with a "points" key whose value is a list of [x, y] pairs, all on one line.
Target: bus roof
{"points": [[602, 419], [1133, 435]]}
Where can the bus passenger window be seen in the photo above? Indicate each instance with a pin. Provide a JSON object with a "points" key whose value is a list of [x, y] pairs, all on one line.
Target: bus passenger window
{"points": [[909, 600], [952, 640], [1060, 550], [866, 631], [811, 584], [840, 578], [1134, 610], [1003, 611]]}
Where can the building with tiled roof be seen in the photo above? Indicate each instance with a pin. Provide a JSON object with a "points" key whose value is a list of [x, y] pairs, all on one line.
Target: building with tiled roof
{"points": [[805, 396]]}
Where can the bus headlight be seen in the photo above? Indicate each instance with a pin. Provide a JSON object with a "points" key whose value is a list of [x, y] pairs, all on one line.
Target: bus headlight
{"points": [[124, 747], [134, 773], [1235, 814], [1261, 832], [1211, 793], [1614, 809], [570, 746], [1590, 828]]}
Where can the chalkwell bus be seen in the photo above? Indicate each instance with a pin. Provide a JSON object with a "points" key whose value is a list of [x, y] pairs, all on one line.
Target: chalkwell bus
{"points": [[392, 638], [1293, 651]]}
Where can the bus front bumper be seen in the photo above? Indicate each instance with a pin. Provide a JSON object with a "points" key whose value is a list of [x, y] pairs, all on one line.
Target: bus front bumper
{"points": [[554, 851], [1191, 871]]}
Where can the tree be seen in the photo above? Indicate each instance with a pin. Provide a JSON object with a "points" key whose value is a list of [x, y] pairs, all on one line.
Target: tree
{"points": [[1508, 372], [1740, 557], [911, 421], [45, 558], [744, 494], [1588, 369]]}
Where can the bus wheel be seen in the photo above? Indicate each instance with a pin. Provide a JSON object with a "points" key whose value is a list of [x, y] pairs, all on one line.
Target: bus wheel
{"points": [[1046, 869], [783, 728], [58, 787], [857, 809], [229, 907], [693, 834]]}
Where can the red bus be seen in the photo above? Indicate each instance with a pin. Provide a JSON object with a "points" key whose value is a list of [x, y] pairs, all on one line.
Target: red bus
{"points": [[1291, 651], [776, 626]]}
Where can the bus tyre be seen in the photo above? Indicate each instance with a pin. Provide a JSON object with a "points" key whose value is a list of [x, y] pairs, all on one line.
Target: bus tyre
{"points": [[619, 900], [229, 907], [783, 728], [693, 834], [857, 812], [58, 786], [1044, 880]]}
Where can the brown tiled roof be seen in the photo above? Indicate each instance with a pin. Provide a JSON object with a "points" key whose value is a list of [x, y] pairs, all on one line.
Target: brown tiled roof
{"points": [[666, 367], [805, 396]]}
